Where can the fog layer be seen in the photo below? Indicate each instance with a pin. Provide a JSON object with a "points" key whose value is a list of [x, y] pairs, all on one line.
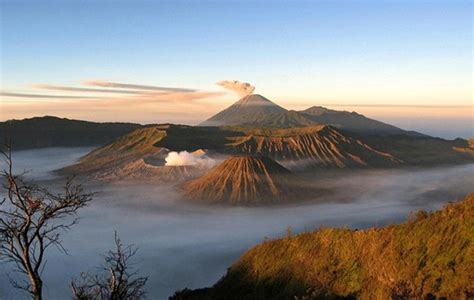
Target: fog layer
{"points": [[191, 246]]}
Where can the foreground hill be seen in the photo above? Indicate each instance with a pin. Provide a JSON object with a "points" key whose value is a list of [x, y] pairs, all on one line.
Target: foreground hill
{"points": [[40, 132], [246, 180], [429, 257]]}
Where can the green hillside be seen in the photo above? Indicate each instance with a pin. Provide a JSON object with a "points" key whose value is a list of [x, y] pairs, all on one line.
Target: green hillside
{"points": [[431, 255]]}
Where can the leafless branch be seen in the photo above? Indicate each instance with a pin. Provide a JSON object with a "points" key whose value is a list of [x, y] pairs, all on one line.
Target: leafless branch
{"points": [[32, 219], [117, 279]]}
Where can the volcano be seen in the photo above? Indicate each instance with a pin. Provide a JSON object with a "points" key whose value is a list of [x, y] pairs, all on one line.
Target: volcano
{"points": [[247, 110], [256, 111], [246, 180]]}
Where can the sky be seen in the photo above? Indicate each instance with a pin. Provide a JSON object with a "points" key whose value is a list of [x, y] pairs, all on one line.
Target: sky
{"points": [[404, 62]]}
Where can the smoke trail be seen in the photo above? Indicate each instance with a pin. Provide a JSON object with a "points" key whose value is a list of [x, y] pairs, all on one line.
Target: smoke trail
{"points": [[185, 158], [241, 88]]}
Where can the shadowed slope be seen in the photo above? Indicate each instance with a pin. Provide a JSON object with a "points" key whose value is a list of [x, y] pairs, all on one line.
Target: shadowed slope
{"points": [[245, 180], [48, 131], [430, 255]]}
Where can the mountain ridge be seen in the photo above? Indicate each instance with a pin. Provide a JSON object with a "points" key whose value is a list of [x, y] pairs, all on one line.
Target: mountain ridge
{"points": [[257, 111], [51, 131]]}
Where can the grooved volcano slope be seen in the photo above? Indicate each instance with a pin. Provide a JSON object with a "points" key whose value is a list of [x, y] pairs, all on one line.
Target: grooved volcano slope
{"points": [[245, 180], [322, 146]]}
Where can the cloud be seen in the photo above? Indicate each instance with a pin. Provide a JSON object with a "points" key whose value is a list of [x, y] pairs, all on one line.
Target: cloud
{"points": [[22, 95], [153, 104], [241, 88], [136, 86], [135, 94], [86, 90], [179, 96]]}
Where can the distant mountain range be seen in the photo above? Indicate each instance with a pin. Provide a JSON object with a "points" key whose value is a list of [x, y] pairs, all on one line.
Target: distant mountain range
{"points": [[429, 257], [250, 112], [41, 132], [258, 111]]}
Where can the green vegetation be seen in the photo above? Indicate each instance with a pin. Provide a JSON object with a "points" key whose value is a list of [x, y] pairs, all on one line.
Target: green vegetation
{"points": [[431, 255]]}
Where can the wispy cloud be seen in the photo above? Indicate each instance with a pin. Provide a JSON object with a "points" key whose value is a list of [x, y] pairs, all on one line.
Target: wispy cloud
{"points": [[179, 96], [43, 96], [130, 93], [108, 101], [85, 90], [136, 86]]}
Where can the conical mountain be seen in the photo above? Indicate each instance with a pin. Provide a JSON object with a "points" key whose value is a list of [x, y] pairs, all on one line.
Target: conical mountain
{"points": [[247, 110], [245, 180]]}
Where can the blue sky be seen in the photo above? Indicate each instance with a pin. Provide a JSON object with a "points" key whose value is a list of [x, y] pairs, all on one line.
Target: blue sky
{"points": [[297, 53]]}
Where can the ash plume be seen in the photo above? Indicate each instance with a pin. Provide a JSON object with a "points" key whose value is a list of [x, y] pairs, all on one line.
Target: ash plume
{"points": [[241, 88]]}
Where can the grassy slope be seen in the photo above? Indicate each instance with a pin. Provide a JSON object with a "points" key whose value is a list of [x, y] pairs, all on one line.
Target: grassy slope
{"points": [[430, 254]]}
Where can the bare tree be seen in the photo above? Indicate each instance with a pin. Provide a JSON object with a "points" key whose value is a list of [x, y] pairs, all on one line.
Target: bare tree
{"points": [[31, 220], [117, 279]]}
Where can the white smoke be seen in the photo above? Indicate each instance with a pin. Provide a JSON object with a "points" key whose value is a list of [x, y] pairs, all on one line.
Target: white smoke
{"points": [[241, 88], [184, 158]]}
